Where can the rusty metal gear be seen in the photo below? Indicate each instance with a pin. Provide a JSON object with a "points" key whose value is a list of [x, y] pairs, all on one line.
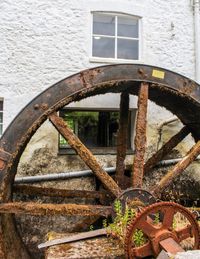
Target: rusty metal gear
{"points": [[155, 225], [136, 198]]}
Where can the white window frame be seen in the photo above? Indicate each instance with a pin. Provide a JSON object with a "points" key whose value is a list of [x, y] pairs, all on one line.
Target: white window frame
{"points": [[117, 60], [1, 123]]}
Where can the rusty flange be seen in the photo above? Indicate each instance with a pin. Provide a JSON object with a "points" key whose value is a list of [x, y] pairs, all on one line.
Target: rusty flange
{"points": [[157, 230]]}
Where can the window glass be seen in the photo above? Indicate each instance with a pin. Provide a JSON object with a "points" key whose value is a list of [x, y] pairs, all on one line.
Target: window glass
{"points": [[94, 128], [103, 47], [104, 24], [127, 27], [127, 49], [115, 36], [1, 117]]}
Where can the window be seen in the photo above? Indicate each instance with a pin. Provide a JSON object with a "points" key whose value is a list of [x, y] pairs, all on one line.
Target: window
{"points": [[97, 129], [115, 36], [1, 117]]}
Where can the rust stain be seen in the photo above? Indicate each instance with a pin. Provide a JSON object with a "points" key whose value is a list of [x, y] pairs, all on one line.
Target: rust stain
{"points": [[142, 74], [87, 76], [187, 87]]}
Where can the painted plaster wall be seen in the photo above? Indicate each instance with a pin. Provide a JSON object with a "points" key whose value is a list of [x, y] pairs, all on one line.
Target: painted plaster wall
{"points": [[44, 41]]}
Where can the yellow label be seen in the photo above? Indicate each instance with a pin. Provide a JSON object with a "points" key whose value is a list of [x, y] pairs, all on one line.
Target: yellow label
{"points": [[158, 74]]}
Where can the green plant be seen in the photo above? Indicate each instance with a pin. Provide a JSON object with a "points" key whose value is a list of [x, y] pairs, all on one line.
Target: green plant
{"points": [[157, 218], [138, 238], [91, 227], [122, 219], [105, 223]]}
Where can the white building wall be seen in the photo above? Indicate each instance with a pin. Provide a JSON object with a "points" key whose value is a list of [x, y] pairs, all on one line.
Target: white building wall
{"points": [[44, 41]]}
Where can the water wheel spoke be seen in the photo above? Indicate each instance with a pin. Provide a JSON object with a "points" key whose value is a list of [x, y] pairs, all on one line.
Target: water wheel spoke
{"points": [[165, 149], [147, 227], [168, 217], [177, 170], [184, 233], [142, 251], [140, 137], [85, 154], [53, 192], [122, 137], [54, 209]]}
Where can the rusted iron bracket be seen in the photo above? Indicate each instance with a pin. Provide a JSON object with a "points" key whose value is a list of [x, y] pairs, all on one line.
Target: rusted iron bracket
{"points": [[85, 154], [140, 137], [165, 149], [73, 238]]}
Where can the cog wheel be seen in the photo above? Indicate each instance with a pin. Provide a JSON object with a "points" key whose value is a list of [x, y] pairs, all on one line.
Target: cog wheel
{"points": [[136, 198], [163, 225]]}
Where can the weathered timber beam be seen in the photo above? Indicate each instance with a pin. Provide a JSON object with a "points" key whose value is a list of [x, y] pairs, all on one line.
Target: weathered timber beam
{"points": [[53, 192], [122, 137], [177, 170], [85, 154], [54, 209], [140, 137], [165, 149]]}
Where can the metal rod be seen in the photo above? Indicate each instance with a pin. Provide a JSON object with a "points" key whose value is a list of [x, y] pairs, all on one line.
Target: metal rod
{"points": [[28, 189], [73, 238], [58, 176], [122, 138]]}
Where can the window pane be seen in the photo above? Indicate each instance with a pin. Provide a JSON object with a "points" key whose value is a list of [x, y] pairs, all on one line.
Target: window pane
{"points": [[103, 47], [104, 24], [127, 49], [1, 117], [127, 27], [1, 129]]}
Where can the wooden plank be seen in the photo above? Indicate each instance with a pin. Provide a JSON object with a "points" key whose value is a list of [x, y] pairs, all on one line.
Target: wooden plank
{"points": [[140, 137]]}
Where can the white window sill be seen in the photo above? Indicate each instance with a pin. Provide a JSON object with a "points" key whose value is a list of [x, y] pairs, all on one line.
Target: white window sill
{"points": [[114, 61]]}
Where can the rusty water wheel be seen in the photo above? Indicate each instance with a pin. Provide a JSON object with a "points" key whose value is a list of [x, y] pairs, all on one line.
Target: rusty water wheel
{"points": [[161, 232], [176, 93]]}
